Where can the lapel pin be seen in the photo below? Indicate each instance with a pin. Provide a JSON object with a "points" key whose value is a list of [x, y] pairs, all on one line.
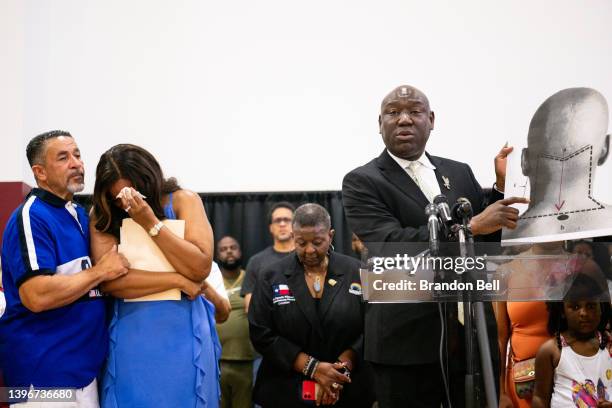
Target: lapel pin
{"points": [[446, 182], [332, 282]]}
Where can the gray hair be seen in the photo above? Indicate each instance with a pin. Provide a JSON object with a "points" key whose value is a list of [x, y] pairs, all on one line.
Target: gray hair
{"points": [[311, 215], [36, 148]]}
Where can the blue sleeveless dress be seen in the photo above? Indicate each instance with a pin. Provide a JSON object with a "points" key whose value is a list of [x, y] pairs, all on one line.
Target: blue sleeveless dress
{"points": [[162, 353]]}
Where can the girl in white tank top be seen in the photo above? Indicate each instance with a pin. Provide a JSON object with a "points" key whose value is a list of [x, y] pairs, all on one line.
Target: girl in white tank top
{"points": [[574, 369], [582, 380]]}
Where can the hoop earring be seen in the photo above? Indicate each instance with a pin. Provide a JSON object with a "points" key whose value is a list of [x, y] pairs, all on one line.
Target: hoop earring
{"points": [[330, 249]]}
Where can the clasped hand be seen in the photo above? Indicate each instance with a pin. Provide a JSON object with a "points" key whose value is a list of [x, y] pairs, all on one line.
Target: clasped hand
{"points": [[330, 380], [193, 289]]}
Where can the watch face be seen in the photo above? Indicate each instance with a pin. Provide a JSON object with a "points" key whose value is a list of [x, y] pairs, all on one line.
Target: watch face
{"points": [[154, 231]]}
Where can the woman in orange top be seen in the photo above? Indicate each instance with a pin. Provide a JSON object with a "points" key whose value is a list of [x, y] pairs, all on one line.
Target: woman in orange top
{"points": [[522, 325]]}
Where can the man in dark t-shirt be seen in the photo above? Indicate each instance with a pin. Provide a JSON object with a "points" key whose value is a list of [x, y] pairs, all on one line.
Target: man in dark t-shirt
{"points": [[280, 217]]}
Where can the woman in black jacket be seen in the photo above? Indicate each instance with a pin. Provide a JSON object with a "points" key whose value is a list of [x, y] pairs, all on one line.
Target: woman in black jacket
{"points": [[306, 319]]}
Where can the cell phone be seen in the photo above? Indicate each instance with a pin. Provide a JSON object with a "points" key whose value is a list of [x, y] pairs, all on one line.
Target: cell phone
{"points": [[309, 390]]}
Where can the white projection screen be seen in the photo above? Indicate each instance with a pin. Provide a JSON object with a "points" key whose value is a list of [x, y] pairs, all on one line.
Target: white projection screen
{"points": [[276, 95]]}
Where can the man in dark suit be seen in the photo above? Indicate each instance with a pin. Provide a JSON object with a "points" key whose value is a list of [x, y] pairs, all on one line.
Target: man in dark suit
{"points": [[384, 201]]}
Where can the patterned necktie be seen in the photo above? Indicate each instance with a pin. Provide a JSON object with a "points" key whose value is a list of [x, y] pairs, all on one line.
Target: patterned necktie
{"points": [[414, 171]]}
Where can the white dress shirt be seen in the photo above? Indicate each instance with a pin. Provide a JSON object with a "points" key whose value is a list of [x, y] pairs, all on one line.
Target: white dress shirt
{"points": [[422, 172]]}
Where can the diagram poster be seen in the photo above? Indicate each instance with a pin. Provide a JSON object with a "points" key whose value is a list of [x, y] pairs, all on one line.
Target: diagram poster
{"points": [[562, 166]]}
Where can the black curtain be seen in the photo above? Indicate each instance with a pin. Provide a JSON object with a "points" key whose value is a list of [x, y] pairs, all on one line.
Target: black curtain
{"points": [[244, 216]]}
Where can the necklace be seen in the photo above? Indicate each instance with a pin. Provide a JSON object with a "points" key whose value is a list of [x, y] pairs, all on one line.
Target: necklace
{"points": [[316, 285], [237, 281]]}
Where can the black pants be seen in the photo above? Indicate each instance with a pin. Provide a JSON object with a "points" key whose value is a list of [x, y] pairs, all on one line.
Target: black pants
{"points": [[416, 386]]}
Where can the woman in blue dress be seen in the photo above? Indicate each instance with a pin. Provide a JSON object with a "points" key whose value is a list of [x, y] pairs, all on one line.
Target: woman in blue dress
{"points": [[162, 353]]}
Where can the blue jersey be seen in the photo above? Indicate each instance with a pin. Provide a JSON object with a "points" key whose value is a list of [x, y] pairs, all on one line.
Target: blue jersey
{"points": [[63, 347]]}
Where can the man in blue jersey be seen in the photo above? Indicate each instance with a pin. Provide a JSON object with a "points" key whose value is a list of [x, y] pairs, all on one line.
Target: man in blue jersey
{"points": [[52, 334]]}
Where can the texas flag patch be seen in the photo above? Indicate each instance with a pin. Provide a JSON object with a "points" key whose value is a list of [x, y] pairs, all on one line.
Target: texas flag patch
{"points": [[282, 295], [281, 290]]}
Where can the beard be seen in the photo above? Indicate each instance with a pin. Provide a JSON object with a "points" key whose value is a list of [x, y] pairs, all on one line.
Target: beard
{"points": [[75, 187], [231, 265]]}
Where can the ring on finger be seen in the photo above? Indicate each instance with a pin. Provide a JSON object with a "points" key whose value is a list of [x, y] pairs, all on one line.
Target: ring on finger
{"points": [[335, 386], [128, 208]]}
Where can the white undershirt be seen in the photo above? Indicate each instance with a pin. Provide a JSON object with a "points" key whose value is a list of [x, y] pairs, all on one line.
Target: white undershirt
{"points": [[71, 208]]}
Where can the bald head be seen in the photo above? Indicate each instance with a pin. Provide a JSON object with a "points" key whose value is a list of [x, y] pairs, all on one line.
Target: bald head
{"points": [[404, 92], [568, 120], [405, 122]]}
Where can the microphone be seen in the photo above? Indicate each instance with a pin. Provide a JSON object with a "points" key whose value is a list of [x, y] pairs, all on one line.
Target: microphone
{"points": [[462, 210], [433, 225], [443, 209]]}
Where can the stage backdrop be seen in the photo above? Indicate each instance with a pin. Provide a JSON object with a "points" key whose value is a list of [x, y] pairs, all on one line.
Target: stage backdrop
{"points": [[279, 95]]}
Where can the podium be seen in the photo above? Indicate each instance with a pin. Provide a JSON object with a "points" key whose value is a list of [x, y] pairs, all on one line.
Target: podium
{"points": [[488, 276]]}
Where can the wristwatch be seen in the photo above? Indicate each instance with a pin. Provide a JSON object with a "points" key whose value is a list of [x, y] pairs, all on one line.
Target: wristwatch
{"points": [[154, 231]]}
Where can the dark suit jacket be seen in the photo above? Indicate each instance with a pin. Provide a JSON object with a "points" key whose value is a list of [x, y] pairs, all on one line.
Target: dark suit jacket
{"points": [[383, 204], [281, 327]]}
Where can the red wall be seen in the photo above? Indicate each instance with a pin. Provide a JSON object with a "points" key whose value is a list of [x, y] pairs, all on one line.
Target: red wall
{"points": [[12, 194]]}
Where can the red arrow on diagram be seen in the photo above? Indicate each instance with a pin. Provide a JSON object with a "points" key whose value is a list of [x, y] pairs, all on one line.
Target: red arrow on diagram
{"points": [[558, 206], [560, 203]]}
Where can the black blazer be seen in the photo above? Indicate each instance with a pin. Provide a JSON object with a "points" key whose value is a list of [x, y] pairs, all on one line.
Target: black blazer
{"points": [[383, 204], [285, 322]]}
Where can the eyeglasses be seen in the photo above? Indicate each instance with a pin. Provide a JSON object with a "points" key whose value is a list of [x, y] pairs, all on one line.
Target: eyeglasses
{"points": [[281, 220]]}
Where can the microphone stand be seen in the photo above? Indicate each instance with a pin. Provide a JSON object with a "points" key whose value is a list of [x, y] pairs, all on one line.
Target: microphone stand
{"points": [[466, 249], [436, 225]]}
